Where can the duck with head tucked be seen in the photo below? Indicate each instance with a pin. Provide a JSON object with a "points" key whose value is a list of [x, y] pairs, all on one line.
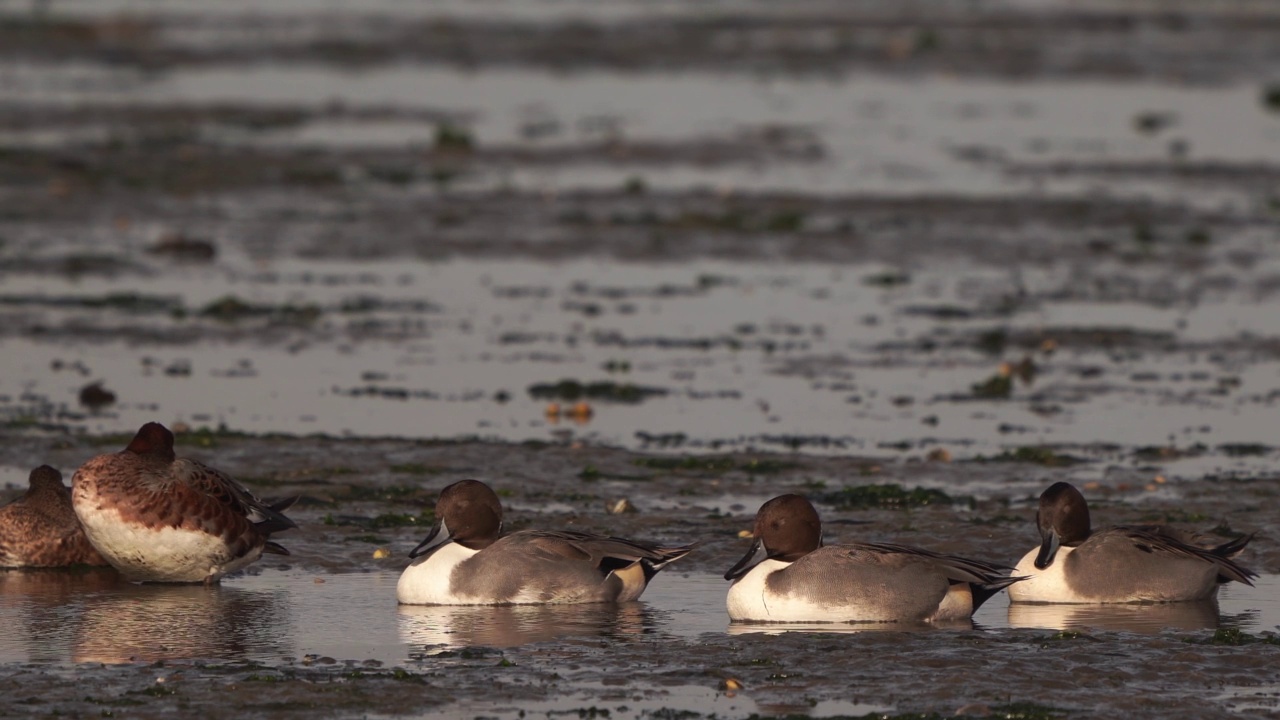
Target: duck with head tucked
{"points": [[465, 560], [40, 529], [788, 575], [160, 518], [1124, 564]]}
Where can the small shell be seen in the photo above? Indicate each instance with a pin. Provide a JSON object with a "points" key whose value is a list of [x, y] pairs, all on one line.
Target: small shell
{"points": [[618, 507], [746, 534], [381, 554]]}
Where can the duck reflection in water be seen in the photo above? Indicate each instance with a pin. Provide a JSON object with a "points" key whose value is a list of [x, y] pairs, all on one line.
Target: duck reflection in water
{"points": [[39, 608], [146, 624], [1144, 618], [460, 626], [847, 628], [99, 617]]}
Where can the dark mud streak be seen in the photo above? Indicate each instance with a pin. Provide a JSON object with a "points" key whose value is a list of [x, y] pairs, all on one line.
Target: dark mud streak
{"points": [[819, 38]]}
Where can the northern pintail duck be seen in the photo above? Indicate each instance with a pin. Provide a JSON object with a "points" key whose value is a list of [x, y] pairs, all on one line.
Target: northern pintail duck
{"points": [[160, 518], [463, 561], [1137, 563], [40, 528], [789, 576]]}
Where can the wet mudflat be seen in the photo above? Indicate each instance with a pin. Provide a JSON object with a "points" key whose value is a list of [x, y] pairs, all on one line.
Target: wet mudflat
{"points": [[912, 261], [321, 630]]}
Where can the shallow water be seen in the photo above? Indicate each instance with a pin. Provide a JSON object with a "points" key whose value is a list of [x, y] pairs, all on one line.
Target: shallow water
{"points": [[867, 134], [297, 617], [742, 354]]}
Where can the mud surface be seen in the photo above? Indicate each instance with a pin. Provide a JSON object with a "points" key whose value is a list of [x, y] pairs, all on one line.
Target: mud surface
{"points": [[914, 260]]}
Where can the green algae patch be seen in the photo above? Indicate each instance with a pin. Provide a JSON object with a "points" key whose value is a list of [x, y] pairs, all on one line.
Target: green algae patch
{"points": [[1035, 455], [714, 464], [135, 303], [887, 280], [1244, 449], [892, 496], [996, 387], [605, 391], [693, 463], [1234, 637], [230, 309]]}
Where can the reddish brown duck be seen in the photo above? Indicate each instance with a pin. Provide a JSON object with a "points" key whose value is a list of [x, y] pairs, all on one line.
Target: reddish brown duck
{"points": [[40, 529], [156, 517]]}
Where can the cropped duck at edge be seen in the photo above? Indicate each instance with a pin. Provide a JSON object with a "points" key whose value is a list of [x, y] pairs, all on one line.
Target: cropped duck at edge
{"points": [[464, 561], [788, 575], [1124, 564], [40, 529]]}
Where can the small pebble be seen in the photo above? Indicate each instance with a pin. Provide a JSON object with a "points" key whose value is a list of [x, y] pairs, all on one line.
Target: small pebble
{"points": [[581, 412]]}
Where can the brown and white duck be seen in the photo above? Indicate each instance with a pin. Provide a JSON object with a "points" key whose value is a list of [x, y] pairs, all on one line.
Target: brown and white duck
{"points": [[40, 529], [788, 575], [1076, 563], [156, 517], [465, 559]]}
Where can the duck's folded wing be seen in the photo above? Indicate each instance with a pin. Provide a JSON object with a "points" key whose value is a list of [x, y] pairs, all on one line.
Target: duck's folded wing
{"points": [[1163, 542], [956, 568], [217, 484], [1228, 549], [604, 552]]}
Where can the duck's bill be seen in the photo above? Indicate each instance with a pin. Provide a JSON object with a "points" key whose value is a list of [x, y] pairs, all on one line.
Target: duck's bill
{"points": [[1049, 544], [756, 554], [438, 536]]}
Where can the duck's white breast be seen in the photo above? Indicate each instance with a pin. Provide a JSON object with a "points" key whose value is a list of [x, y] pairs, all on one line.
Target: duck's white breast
{"points": [[750, 599], [428, 580], [1048, 585], [163, 554]]}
